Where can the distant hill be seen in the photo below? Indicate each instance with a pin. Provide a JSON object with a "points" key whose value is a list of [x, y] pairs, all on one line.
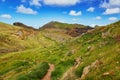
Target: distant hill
{"points": [[73, 30], [23, 25]]}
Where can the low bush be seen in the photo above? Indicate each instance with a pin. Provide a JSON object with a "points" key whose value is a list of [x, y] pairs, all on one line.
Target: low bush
{"points": [[37, 73]]}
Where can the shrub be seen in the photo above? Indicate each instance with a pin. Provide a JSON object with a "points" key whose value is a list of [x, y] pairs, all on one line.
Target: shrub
{"points": [[37, 73]]}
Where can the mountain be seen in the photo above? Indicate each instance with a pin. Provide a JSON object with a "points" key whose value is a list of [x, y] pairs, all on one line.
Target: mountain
{"points": [[73, 30], [94, 55], [24, 26], [19, 37]]}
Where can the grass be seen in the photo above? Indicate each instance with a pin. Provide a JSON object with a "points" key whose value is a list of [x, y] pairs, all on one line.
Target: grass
{"points": [[31, 63], [35, 74]]}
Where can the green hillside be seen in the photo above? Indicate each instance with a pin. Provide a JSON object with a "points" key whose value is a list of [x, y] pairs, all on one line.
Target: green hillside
{"points": [[55, 24], [15, 38], [94, 55]]}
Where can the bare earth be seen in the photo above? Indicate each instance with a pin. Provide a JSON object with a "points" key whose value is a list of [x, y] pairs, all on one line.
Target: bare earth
{"points": [[48, 75]]}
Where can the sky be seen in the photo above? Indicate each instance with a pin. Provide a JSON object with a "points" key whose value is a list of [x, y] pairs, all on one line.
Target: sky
{"points": [[36, 13]]}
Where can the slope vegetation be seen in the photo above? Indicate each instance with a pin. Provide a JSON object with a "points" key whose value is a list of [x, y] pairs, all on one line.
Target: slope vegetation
{"points": [[93, 55]]}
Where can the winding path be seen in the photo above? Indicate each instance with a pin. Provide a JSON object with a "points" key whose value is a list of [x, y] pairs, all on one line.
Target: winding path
{"points": [[48, 74]]}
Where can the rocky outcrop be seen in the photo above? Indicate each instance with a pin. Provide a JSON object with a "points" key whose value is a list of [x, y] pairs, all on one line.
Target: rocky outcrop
{"points": [[89, 67], [26, 31], [74, 32], [110, 73], [23, 25]]}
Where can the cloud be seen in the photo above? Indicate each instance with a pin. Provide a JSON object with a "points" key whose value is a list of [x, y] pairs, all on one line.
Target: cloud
{"points": [[74, 13], [98, 17], [110, 4], [112, 18], [91, 9], [92, 25], [112, 11], [112, 7], [24, 10], [35, 3], [61, 2], [7, 16]]}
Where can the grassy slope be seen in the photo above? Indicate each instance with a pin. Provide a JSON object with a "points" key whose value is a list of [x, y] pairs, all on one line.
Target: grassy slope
{"points": [[10, 41], [105, 48]]}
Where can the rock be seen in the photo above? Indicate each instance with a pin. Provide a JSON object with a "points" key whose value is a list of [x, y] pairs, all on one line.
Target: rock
{"points": [[96, 63], [89, 48], [106, 34], [68, 75], [74, 32], [109, 73], [77, 62], [85, 71]]}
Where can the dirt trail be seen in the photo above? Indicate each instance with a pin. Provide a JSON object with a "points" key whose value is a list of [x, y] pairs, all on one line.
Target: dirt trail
{"points": [[48, 75]]}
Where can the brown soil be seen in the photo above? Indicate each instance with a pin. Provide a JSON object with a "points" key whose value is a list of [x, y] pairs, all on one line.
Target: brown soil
{"points": [[48, 75]]}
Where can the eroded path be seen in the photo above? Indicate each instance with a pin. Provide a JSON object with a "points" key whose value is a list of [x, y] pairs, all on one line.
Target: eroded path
{"points": [[48, 75]]}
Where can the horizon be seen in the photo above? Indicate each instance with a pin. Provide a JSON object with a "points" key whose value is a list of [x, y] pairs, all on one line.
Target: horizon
{"points": [[37, 13]]}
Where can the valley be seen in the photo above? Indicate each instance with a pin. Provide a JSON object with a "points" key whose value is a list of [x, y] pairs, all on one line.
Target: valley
{"points": [[77, 52]]}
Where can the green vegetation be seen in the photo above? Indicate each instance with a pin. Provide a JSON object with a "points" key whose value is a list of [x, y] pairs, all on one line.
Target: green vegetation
{"points": [[98, 48], [55, 24], [35, 74]]}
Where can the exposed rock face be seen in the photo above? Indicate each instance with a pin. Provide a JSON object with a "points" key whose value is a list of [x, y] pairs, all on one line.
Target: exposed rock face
{"points": [[26, 31], [87, 68], [74, 32]]}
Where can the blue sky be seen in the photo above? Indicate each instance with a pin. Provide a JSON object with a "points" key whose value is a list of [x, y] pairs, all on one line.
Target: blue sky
{"points": [[39, 12]]}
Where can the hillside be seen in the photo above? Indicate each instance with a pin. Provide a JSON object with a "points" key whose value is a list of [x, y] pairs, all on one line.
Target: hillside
{"points": [[73, 30], [20, 36], [16, 38], [94, 55], [62, 32]]}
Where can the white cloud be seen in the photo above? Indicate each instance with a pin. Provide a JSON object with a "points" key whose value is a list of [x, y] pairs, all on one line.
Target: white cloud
{"points": [[111, 4], [7, 16], [112, 18], [112, 7], [91, 9], [112, 11], [24, 10], [74, 13], [98, 17], [92, 25], [35, 3], [61, 2]]}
